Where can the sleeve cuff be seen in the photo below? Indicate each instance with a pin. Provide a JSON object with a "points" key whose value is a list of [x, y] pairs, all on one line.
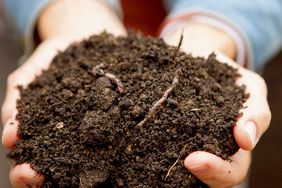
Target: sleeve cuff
{"points": [[29, 43], [244, 53]]}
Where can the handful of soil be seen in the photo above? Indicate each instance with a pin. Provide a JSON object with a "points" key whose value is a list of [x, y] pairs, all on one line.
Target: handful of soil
{"points": [[125, 112]]}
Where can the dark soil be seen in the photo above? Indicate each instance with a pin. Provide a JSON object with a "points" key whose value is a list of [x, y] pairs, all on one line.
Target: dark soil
{"points": [[95, 118]]}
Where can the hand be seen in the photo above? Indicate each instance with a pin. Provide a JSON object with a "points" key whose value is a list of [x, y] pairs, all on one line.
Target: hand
{"points": [[217, 172], [201, 40], [22, 176], [60, 23]]}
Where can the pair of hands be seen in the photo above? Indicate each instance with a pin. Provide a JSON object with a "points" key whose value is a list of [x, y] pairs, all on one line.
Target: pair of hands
{"points": [[211, 169]]}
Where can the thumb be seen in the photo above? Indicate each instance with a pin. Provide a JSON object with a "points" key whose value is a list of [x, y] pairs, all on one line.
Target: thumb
{"points": [[22, 176], [216, 172], [256, 116]]}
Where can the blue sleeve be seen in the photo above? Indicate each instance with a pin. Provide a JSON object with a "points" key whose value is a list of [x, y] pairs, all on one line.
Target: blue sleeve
{"points": [[259, 20], [24, 12]]}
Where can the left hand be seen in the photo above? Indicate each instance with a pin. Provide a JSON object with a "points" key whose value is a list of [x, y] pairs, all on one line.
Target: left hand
{"points": [[58, 25], [217, 172], [200, 40], [22, 175]]}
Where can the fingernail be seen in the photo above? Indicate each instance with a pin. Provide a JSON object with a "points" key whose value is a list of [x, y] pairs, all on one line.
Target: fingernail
{"points": [[31, 184], [252, 132], [195, 165], [198, 168], [31, 179], [34, 182]]}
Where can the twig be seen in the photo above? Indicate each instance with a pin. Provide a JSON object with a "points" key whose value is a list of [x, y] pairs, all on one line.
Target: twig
{"points": [[80, 182], [98, 69], [117, 81], [195, 109], [180, 155], [180, 40], [175, 81], [178, 46], [100, 66], [156, 107]]}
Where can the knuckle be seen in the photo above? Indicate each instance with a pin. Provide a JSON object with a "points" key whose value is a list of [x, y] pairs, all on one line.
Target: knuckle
{"points": [[255, 83], [260, 81], [266, 117], [11, 78], [259, 111], [263, 118]]}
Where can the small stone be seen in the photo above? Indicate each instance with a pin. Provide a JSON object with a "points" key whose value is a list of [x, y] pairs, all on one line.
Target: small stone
{"points": [[128, 149], [137, 110], [120, 182], [60, 125]]}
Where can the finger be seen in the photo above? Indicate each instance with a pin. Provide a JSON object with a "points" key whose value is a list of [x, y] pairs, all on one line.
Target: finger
{"points": [[37, 62], [9, 134], [256, 116], [22, 176], [217, 172], [22, 76], [9, 110]]}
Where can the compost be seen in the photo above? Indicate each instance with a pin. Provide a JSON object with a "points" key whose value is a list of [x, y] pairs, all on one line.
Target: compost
{"points": [[125, 112]]}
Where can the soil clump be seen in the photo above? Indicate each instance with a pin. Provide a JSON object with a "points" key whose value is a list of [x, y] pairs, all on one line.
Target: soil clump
{"points": [[125, 112]]}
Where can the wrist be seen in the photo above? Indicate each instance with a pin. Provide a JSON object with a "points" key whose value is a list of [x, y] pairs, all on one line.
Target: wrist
{"points": [[222, 40], [199, 37], [76, 20]]}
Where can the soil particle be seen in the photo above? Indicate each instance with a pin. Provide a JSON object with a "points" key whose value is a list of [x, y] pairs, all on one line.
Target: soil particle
{"points": [[125, 112]]}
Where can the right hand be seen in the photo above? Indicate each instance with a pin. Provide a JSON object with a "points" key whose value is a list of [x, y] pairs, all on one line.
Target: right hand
{"points": [[75, 19], [200, 40], [255, 120], [23, 176]]}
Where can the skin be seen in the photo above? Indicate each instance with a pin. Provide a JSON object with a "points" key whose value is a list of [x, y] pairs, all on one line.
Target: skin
{"points": [[76, 20]]}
